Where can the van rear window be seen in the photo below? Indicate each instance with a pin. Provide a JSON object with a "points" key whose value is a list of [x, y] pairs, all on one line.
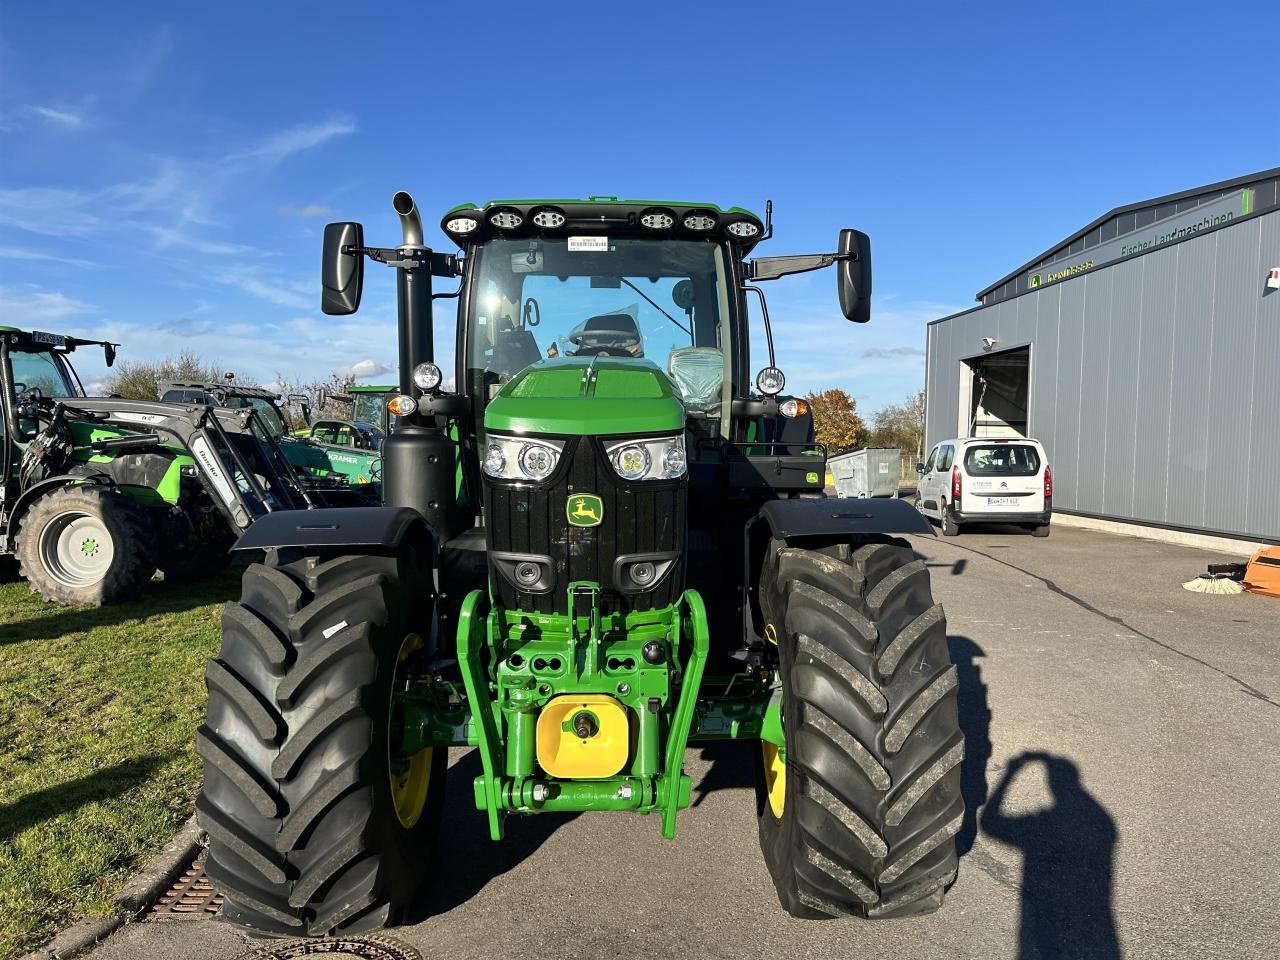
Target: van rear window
{"points": [[1002, 459]]}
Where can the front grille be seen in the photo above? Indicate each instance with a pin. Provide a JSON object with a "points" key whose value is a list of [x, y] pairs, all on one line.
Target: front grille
{"points": [[638, 518]]}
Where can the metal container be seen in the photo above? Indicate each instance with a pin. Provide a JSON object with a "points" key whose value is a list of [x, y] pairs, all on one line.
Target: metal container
{"points": [[867, 473]]}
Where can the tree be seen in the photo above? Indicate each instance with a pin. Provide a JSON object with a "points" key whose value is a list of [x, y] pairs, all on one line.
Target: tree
{"points": [[835, 420], [900, 425], [141, 379]]}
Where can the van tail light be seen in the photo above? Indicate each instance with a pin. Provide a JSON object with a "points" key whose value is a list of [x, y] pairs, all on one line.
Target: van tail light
{"points": [[955, 484], [1048, 481]]}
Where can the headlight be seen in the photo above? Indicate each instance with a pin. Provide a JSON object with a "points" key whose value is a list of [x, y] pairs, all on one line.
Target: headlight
{"points": [[770, 381], [427, 376], [461, 225], [743, 229], [518, 458], [656, 458]]}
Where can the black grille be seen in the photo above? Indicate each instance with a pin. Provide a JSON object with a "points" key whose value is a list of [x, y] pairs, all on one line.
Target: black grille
{"points": [[638, 518]]}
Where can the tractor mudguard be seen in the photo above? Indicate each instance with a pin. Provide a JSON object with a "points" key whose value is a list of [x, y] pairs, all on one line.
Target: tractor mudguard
{"points": [[384, 527], [27, 498], [841, 516]]}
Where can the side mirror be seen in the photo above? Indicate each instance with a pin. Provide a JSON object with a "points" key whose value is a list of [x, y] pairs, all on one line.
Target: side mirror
{"points": [[109, 353], [342, 273], [853, 276], [920, 468]]}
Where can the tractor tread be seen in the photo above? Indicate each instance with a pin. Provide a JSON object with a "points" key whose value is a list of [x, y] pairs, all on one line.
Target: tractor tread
{"points": [[264, 720], [222, 757], [873, 791]]}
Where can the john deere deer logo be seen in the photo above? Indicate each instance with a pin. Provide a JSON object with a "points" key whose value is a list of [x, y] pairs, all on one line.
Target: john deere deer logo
{"points": [[584, 510]]}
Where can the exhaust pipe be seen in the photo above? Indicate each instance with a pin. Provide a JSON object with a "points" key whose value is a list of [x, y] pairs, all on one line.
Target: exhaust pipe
{"points": [[410, 222]]}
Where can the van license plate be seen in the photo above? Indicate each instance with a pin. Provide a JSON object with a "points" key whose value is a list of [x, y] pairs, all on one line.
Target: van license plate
{"points": [[1002, 501]]}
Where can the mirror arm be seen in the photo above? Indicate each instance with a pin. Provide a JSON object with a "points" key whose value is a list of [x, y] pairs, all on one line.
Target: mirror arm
{"points": [[771, 268], [441, 264], [764, 313]]}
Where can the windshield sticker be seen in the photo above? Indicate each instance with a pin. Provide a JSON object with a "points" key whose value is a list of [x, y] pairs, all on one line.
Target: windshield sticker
{"points": [[588, 244]]}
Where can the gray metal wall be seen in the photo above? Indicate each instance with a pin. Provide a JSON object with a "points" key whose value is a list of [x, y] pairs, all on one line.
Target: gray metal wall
{"points": [[1155, 382]]}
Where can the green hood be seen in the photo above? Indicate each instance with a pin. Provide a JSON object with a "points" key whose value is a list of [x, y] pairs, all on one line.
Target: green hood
{"points": [[586, 396]]}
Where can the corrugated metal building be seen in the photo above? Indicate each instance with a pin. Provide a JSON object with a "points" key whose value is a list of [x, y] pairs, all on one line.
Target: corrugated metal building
{"points": [[1144, 352]]}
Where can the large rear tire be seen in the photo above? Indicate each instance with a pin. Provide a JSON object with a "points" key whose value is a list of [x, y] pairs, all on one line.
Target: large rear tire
{"points": [[312, 827], [85, 544], [871, 803]]}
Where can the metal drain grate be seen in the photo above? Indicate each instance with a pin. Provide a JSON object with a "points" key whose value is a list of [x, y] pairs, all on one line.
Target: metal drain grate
{"points": [[354, 948], [191, 897]]}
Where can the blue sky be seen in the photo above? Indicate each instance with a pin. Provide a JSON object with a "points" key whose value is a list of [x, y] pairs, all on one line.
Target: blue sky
{"points": [[165, 175]]}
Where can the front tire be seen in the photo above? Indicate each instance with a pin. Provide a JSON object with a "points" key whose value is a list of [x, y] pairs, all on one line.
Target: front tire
{"points": [[85, 544], [872, 801], [950, 526], [313, 828], [1040, 530]]}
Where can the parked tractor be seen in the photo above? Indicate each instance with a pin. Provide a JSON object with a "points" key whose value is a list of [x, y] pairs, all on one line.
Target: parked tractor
{"points": [[339, 474], [368, 421], [97, 493], [610, 543]]}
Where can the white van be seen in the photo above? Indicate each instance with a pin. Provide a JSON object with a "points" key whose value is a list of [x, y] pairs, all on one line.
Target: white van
{"points": [[987, 480]]}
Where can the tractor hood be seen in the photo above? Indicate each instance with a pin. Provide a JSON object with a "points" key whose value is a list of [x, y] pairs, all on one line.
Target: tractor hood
{"points": [[586, 396]]}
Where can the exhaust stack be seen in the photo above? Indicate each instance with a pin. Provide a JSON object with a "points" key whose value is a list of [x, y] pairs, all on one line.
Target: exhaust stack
{"points": [[410, 222]]}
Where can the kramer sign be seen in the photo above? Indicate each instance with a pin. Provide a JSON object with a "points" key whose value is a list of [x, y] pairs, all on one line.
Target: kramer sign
{"points": [[1186, 224]]}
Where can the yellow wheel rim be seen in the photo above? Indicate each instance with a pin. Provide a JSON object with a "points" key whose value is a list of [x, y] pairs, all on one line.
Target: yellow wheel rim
{"points": [[409, 787], [775, 777]]}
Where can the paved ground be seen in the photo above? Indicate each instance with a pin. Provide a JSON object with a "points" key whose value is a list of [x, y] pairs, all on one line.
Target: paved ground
{"points": [[1131, 727]]}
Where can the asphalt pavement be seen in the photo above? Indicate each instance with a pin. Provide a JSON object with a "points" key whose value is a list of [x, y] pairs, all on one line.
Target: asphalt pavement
{"points": [[1121, 777]]}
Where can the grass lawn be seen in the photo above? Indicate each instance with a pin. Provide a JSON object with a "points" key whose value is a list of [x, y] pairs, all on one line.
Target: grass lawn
{"points": [[98, 710]]}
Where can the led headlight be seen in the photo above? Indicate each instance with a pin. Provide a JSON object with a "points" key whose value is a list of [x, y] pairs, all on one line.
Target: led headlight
{"points": [[649, 458], [770, 381], [657, 220], [549, 219], [700, 221], [743, 229], [427, 376], [519, 458], [506, 219], [461, 225]]}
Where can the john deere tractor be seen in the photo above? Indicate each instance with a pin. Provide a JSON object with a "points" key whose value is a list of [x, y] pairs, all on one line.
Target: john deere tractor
{"points": [[611, 542], [368, 420], [97, 493]]}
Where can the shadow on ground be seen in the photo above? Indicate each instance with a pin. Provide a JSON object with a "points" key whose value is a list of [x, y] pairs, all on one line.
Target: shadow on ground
{"points": [[157, 599], [1068, 851], [732, 768], [975, 721], [474, 859], [66, 797]]}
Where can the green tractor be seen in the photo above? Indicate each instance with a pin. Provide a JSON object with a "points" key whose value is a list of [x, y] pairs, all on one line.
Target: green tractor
{"points": [[368, 423], [339, 474], [97, 493], [605, 546]]}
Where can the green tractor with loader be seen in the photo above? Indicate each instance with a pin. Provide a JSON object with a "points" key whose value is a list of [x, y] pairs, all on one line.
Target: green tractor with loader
{"points": [[96, 493], [610, 543], [340, 474]]}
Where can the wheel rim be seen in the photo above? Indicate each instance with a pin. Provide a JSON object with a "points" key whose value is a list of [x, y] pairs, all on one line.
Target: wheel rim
{"points": [[775, 777], [76, 549], [410, 785]]}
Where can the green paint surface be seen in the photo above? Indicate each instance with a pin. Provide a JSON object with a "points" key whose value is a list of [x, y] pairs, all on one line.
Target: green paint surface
{"points": [[583, 396]]}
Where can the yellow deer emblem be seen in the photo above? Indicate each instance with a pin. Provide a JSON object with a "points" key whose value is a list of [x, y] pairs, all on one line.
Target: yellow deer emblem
{"points": [[585, 510]]}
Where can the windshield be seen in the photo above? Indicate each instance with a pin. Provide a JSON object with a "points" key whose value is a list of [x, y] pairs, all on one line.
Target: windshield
{"points": [[1002, 459], [368, 407], [40, 371], [268, 414], [660, 300]]}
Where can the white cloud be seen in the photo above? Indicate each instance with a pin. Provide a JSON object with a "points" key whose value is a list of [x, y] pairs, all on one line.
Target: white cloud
{"points": [[63, 118], [20, 253], [31, 306], [306, 210], [365, 368], [294, 140]]}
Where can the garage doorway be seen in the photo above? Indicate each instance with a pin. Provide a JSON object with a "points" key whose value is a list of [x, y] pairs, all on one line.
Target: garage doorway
{"points": [[999, 393]]}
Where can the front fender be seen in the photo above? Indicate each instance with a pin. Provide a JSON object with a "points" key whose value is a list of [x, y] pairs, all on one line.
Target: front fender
{"points": [[841, 517], [377, 527]]}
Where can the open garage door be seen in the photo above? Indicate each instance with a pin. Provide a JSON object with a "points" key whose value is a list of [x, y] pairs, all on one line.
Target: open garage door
{"points": [[999, 393]]}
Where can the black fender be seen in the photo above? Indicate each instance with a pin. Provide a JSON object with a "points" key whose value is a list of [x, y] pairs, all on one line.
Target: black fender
{"points": [[841, 517], [34, 493], [371, 527]]}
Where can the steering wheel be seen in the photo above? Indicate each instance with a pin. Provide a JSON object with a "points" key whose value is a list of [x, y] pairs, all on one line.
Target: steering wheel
{"points": [[581, 339]]}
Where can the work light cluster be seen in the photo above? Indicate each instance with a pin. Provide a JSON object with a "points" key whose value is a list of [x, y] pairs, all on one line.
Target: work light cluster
{"points": [[466, 224]]}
